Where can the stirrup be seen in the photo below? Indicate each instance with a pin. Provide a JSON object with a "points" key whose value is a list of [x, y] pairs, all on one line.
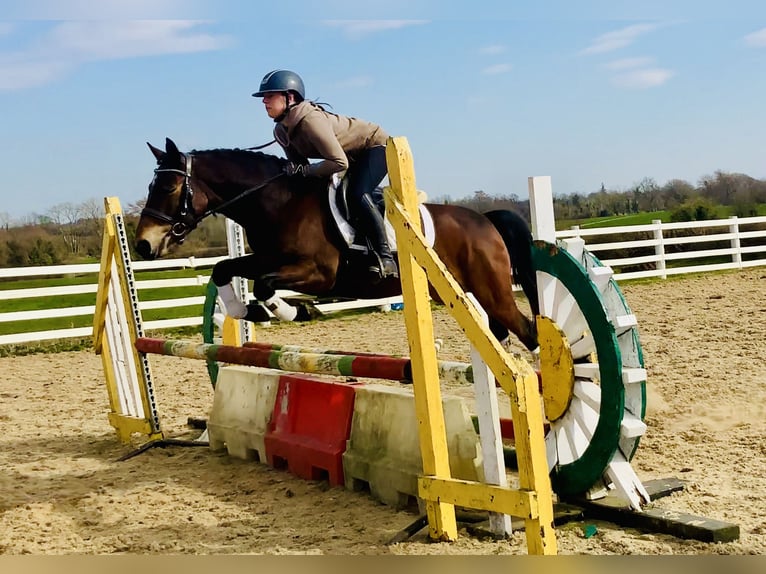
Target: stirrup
{"points": [[385, 267], [389, 268]]}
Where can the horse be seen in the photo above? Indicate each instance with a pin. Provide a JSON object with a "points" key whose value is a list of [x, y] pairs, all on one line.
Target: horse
{"points": [[296, 245]]}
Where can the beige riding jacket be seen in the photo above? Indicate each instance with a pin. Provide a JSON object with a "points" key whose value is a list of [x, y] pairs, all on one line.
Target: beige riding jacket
{"points": [[309, 132]]}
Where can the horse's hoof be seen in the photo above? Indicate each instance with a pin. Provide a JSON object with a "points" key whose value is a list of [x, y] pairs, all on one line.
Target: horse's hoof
{"points": [[257, 313], [307, 312]]}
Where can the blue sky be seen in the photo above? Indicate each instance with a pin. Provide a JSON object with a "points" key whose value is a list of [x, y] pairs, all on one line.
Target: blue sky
{"points": [[586, 92]]}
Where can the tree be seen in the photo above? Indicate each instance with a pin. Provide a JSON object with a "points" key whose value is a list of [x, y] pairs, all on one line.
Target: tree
{"points": [[92, 222], [67, 217], [43, 252], [697, 209], [647, 195], [676, 192], [135, 208], [17, 255]]}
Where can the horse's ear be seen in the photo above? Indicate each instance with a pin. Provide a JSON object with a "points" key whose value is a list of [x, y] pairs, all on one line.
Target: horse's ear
{"points": [[170, 147], [158, 153]]}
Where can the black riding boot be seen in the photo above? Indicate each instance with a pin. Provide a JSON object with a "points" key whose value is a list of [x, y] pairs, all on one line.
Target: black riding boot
{"points": [[373, 227]]}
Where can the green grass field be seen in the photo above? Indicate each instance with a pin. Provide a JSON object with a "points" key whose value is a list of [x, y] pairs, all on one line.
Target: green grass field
{"points": [[85, 299], [646, 218]]}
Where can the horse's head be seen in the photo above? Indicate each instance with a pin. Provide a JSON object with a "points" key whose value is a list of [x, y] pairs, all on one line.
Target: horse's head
{"points": [[172, 209]]}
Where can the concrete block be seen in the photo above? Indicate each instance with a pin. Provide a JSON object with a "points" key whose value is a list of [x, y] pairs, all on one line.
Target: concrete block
{"points": [[383, 451], [242, 408]]}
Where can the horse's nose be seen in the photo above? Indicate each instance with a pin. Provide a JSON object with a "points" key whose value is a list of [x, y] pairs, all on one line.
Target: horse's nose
{"points": [[144, 249]]}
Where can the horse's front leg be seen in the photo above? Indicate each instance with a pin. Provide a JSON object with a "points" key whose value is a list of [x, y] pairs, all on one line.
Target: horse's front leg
{"points": [[304, 276], [223, 273]]}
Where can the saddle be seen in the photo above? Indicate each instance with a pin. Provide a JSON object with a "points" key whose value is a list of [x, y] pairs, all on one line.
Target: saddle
{"points": [[339, 209]]}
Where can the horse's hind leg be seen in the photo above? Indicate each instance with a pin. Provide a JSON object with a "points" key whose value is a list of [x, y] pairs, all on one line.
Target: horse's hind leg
{"points": [[499, 330], [528, 334], [493, 288], [506, 316], [495, 294]]}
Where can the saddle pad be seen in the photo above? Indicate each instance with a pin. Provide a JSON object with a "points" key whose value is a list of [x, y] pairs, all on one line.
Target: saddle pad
{"points": [[349, 233]]}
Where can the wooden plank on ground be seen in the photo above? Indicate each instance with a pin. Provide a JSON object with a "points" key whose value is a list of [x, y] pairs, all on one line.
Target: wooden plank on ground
{"points": [[659, 520]]}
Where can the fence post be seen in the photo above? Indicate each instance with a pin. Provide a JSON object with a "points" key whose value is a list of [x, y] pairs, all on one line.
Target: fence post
{"points": [[659, 249], [489, 429], [235, 243], [735, 243], [541, 208]]}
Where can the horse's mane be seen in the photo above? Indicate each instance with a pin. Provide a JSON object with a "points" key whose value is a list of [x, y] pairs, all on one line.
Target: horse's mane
{"points": [[240, 156], [245, 160]]}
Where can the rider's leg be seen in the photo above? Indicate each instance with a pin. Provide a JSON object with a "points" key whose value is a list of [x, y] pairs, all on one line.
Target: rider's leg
{"points": [[373, 226], [367, 172]]}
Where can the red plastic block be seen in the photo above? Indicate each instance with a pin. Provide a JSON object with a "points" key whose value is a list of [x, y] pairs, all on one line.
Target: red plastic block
{"points": [[507, 432], [309, 427]]}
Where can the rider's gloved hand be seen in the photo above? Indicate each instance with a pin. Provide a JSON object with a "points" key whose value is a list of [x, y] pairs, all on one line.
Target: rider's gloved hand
{"points": [[292, 168]]}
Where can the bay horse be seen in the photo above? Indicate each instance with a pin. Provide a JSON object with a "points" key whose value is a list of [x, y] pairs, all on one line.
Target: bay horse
{"points": [[296, 244]]}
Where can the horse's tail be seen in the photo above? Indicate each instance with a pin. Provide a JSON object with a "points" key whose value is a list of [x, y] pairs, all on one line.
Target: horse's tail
{"points": [[518, 240]]}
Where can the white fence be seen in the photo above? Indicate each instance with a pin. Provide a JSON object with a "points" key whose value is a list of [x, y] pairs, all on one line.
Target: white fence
{"points": [[660, 249], [59, 273], [676, 248]]}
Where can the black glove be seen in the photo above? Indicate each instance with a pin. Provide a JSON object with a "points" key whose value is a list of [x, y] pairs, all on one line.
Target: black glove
{"points": [[292, 168]]}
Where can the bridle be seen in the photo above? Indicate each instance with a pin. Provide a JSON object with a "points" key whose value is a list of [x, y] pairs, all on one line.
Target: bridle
{"points": [[187, 220]]}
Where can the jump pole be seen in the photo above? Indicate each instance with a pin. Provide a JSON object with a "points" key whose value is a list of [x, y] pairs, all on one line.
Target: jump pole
{"points": [[298, 360]]}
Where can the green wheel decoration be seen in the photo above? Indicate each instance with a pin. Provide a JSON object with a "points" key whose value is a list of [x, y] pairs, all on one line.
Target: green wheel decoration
{"points": [[212, 323], [209, 326], [602, 425]]}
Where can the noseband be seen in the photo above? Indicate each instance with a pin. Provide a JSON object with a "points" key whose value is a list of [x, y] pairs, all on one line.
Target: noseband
{"points": [[187, 220]]}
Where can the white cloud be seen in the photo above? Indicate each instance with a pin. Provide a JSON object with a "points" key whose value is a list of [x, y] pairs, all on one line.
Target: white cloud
{"points": [[496, 69], [628, 63], [617, 39], [127, 39], [630, 73], [101, 10], [70, 44], [30, 74], [355, 29], [355, 82], [643, 78], [493, 50], [757, 38]]}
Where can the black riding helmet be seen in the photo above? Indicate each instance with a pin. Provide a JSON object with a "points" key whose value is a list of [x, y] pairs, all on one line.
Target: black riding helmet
{"points": [[281, 81]]}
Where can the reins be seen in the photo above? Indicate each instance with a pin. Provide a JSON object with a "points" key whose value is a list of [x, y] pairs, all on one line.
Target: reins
{"points": [[236, 198], [260, 146]]}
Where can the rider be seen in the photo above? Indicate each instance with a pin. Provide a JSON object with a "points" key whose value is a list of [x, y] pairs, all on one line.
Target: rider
{"points": [[306, 130]]}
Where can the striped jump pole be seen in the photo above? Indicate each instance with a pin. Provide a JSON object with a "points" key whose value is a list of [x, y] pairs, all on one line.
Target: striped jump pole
{"points": [[456, 371], [302, 349], [366, 366]]}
